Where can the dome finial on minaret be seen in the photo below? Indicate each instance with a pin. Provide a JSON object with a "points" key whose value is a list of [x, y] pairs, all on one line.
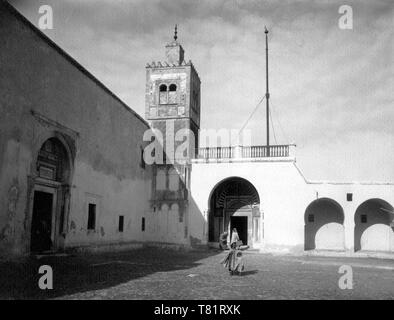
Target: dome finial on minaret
{"points": [[176, 32], [174, 50]]}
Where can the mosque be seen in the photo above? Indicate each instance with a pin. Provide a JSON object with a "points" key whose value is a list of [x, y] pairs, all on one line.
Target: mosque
{"points": [[75, 170]]}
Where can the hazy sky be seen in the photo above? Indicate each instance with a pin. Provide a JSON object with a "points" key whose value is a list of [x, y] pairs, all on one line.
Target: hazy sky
{"points": [[332, 90]]}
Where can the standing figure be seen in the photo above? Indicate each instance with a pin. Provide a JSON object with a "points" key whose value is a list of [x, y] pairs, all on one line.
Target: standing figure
{"points": [[223, 240], [233, 260], [234, 236]]}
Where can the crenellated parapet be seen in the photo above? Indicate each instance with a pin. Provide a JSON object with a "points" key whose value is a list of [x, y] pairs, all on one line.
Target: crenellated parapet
{"points": [[165, 64]]}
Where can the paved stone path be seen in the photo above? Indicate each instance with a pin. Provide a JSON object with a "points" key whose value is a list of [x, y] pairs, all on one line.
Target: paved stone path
{"points": [[165, 274]]}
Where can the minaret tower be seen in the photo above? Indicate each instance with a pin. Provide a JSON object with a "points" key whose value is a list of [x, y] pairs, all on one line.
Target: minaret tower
{"points": [[172, 99]]}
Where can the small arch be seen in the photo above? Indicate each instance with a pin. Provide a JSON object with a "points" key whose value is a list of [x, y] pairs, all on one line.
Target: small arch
{"points": [[324, 228], [372, 228], [163, 94], [66, 142], [53, 161], [172, 94]]}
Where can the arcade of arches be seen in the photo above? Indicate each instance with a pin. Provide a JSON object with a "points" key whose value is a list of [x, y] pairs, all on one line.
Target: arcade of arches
{"points": [[373, 226], [50, 197], [235, 203]]}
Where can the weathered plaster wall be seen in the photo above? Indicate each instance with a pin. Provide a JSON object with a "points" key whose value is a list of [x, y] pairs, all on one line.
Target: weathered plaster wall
{"points": [[167, 221], [107, 136]]}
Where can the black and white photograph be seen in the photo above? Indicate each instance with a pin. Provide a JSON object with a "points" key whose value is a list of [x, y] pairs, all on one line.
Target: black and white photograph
{"points": [[196, 154]]}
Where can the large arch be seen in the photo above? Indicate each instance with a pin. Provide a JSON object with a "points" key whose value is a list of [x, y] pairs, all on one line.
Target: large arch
{"points": [[234, 202], [373, 228], [50, 196], [324, 229]]}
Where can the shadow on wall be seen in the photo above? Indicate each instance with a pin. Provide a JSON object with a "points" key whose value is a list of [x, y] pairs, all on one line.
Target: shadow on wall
{"points": [[78, 274], [324, 225], [372, 230], [170, 189], [197, 225]]}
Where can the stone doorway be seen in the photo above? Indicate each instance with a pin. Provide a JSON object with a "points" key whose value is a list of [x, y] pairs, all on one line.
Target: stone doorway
{"points": [[42, 219], [50, 198]]}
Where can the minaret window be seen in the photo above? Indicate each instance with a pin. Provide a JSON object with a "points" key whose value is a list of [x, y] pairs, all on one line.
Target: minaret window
{"points": [[172, 94], [163, 97], [167, 95]]}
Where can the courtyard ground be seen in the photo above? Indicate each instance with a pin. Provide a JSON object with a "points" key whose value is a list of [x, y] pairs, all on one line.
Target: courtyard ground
{"points": [[165, 274]]}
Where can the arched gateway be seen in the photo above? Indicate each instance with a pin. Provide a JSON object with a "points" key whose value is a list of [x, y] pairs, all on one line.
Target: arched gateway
{"points": [[235, 203], [50, 197]]}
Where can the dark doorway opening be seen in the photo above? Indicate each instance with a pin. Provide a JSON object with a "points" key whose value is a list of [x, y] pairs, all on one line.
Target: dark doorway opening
{"points": [[41, 227], [241, 224]]}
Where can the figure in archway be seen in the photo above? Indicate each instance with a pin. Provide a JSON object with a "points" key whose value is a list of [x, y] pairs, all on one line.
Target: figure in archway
{"points": [[223, 241], [234, 237], [234, 260]]}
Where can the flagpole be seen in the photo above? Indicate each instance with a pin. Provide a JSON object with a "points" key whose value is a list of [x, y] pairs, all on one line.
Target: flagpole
{"points": [[267, 95]]}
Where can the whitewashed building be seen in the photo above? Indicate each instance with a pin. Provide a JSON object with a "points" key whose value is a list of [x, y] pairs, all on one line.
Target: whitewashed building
{"points": [[73, 175]]}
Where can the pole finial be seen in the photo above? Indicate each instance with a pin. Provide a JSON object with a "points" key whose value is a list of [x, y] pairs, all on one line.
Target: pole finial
{"points": [[176, 32], [265, 30]]}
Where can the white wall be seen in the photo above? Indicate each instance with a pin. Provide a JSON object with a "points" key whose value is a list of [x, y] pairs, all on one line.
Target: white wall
{"points": [[284, 196]]}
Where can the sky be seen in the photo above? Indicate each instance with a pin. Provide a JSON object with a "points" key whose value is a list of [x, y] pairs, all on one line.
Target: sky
{"points": [[331, 89]]}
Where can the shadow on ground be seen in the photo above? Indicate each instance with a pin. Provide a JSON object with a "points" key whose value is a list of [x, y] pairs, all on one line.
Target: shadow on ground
{"points": [[248, 273], [81, 273]]}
